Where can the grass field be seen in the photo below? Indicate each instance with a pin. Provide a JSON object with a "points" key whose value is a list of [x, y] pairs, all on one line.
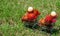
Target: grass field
{"points": [[11, 12]]}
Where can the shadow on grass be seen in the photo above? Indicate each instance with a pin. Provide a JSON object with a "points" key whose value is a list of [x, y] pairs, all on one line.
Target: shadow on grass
{"points": [[36, 27], [55, 31], [51, 31], [31, 25]]}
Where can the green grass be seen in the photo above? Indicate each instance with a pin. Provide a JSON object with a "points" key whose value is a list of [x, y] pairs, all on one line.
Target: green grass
{"points": [[11, 12]]}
